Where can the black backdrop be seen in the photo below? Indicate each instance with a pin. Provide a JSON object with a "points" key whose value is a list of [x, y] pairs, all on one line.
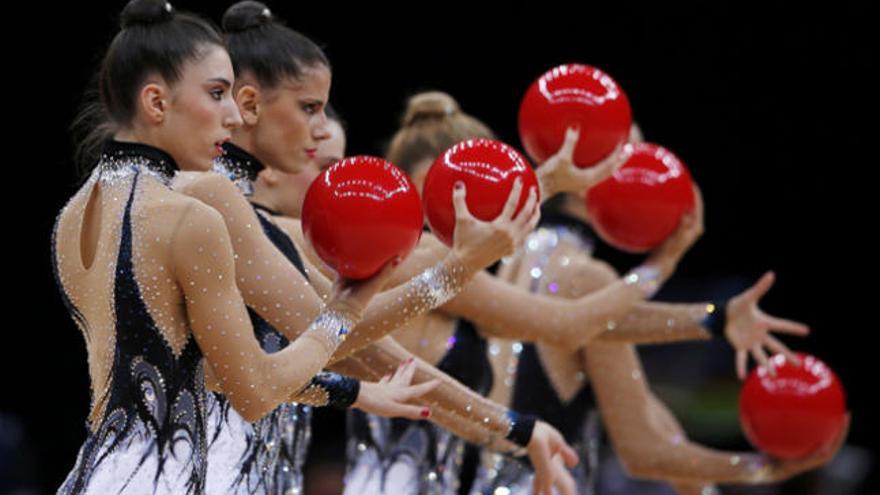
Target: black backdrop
{"points": [[768, 110]]}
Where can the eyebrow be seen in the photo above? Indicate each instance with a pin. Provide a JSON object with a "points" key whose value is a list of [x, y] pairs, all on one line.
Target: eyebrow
{"points": [[221, 80]]}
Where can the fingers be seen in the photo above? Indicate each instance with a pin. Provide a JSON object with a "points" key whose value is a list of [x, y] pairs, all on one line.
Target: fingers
{"points": [[562, 480], [405, 372], [512, 200], [459, 203], [761, 287], [528, 210], [778, 347], [762, 359], [687, 221], [410, 412], [543, 480], [622, 156], [533, 220], [782, 325], [607, 167], [418, 390], [572, 135], [741, 361], [568, 454], [698, 201], [367, 288]]}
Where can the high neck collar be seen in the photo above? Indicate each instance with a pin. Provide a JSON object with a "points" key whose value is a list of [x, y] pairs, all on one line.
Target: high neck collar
{"points": [[239, 166], [118, 156]]}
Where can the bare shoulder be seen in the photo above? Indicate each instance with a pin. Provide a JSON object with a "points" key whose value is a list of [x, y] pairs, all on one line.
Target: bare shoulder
{"points": [[206, 186], [199, 231], [199, 224]]}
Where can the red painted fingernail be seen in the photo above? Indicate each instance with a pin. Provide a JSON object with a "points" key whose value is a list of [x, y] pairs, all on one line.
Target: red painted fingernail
{"points": [[459, 185], [425, 413]]}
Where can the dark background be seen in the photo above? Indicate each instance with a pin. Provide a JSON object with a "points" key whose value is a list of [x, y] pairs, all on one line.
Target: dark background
{"points": [[770, 111]]}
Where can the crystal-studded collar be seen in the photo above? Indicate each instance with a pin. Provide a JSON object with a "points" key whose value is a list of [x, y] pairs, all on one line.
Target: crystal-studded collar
{"points": [[118, 158], [239, 166]]}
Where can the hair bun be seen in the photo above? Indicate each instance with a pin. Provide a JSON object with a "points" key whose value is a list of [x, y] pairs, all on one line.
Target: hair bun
{"points": [[246, 15], [432, 104], [146, 12]]}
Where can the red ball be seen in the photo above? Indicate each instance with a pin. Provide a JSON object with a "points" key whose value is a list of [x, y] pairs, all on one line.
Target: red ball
{"points": [[488, 169], [795, 414], [361, 213], [642, 203], [574, 94]]}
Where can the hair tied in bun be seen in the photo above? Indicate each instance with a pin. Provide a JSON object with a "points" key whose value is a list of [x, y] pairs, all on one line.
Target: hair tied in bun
{"points": [[246, 15], [146, 12]]}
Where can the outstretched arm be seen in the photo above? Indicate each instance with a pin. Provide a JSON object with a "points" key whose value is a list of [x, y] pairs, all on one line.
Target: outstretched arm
{"points": [[649, 440], [507, 311], [275, 289]]}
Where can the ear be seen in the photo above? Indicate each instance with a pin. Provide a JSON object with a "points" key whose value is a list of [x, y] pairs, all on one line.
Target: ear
{"points": [[247, 97], [154, 98]]}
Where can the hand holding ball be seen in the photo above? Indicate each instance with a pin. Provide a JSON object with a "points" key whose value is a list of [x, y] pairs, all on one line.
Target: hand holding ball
{"points": [[795, 414], [488, 169], [642, 203], [574, 95], [361, 213]]}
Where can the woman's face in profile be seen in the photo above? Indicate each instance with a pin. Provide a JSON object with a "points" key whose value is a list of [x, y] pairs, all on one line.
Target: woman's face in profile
{"points": [[201, 112], [295, 186], [292, 122]]}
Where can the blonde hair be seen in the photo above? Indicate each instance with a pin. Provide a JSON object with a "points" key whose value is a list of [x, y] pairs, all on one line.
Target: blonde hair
{"points": [[432, 123]]}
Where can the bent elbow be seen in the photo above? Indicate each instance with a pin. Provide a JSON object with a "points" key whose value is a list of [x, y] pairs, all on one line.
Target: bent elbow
{"points": [[250, 407]]}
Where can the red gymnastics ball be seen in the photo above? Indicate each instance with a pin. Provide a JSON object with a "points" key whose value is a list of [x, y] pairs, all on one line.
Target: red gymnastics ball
{"points": [[570, 95], [643, 202], [796, 413], [361, 213], [488, 169]]}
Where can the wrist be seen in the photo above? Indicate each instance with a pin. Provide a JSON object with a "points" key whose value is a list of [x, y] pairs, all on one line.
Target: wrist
{"points": [[715, 319], [521, 428], [348, 394], [332, 326], [358, 402], [461, 264], [664, 262]]}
